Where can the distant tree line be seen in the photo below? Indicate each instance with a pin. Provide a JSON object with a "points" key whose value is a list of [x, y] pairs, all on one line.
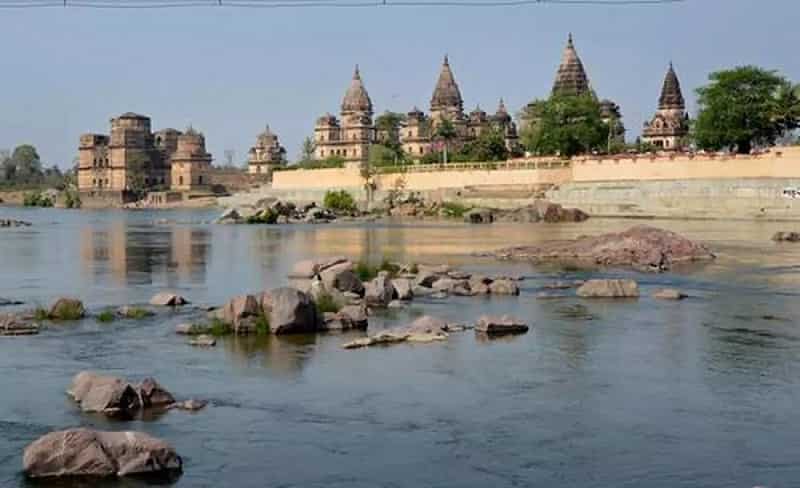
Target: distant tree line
{"points": [[24, 168]]}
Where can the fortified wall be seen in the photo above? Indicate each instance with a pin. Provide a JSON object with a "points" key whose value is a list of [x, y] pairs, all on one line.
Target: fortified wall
{"points": [[677, 186]]}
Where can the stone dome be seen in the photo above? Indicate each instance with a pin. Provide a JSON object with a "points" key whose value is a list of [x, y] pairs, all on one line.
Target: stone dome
{"points": [[356, 99], [446, 94]]}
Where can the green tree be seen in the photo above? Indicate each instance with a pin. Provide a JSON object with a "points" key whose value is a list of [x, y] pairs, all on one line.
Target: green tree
{"points": [[565, 125], [744, 107], [383, 155], [137, 173], [388, 125], [445, 132], [490, 145], [307, 150], [24, 166]]}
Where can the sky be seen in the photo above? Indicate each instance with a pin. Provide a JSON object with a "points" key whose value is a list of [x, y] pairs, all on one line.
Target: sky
{"points": [[228, 72]]}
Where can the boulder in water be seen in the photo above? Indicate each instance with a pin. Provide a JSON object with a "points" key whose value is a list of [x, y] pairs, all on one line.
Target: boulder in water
{"points": [[89, 453], [669, 294], [166, 299], [290, 311], [67, 309], [500, 325], [609, 289]]}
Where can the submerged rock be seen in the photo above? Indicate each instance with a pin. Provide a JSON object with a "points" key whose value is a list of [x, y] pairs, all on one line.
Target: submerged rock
{"points": [[640, 247], [203, 340], [500, 325], [166, 299], [88, 453], [786, 237], [14, 325], [424, 329], [609, 289], [670, 294], [191, 405]]}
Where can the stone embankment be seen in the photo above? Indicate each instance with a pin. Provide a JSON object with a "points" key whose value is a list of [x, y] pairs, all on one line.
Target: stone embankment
{"points": [[641, 247]]}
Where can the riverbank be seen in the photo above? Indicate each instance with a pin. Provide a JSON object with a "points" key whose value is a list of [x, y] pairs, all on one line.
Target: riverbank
{"points": [[713, 373]]}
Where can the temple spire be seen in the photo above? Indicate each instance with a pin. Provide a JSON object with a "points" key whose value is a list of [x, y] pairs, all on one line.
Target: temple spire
{"points": [[356, 99], [571, 78], [671, 94], [446, 94]]}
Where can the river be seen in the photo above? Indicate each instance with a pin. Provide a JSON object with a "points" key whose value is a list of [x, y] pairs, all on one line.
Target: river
{"points": [[698, 393]]}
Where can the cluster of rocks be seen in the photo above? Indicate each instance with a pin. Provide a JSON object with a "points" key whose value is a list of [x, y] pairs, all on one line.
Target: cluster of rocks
{"points": [[17, 325], [641, 247], [539, 211], [115, 396], [431, 329], [611, 288], [14, 223], [786, 237], [274, 211]]}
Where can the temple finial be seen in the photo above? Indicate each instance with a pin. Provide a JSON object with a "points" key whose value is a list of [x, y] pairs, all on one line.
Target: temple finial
{"points": [[446, 60], [570, 43]]}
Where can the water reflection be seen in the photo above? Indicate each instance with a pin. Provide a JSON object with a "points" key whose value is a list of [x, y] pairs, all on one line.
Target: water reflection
{"points": [[281, 356]]}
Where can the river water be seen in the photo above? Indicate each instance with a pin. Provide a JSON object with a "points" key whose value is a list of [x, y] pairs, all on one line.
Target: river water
{"points": [[698, 393]]}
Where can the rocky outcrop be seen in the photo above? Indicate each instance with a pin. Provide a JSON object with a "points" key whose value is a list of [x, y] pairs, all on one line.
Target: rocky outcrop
{"points": [[541, 211], [67, 309], [490, 325], [341, 277], [290, 311], [88, 453], [641, 247], [113, 396], [609, 289], [348, 318], [786, 237], [16, 325], [240, 313], [275, 211], [166, 299], [423, 330]]}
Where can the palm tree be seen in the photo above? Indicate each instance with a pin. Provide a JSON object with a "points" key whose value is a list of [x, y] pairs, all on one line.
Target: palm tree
{"points": [[445, 131]]}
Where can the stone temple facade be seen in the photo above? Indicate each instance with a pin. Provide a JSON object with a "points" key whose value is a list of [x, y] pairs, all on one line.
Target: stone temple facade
{"points": [[133, 157], [266, 155], [670, 124], [351, 136]]}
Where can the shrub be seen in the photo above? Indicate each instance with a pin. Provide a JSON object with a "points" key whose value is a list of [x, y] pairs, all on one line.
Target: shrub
{"points": [[453, 209], [219, 327], [262, 325], [340, 201], [72, 199], [365, 272], [41, 314], [326, 303], [267, 216], [36, 199], [390, 268], [105, 316]]}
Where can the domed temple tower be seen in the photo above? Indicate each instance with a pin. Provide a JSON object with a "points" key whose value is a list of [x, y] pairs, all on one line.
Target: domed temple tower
{"points": [[267, 154], [446, 102], [190, 162], [571, 78], [670, 124], [351, 138], [503, 122]]}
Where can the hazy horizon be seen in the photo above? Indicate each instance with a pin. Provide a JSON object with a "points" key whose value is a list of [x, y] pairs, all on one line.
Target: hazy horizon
{"points": [[228, 71]]}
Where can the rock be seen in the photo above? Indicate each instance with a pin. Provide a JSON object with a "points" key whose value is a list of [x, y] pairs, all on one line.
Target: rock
{"points": [[422, 291], [426, 325], [503, 287], [382, 338], [427, 279], [500, 325], [786, 237], [5, 302], [14, 325], [306, 269], [609, 289], [403, 288], [239, 312], [67, 309], [13, 223], [542, 210], [397, 304], [190, 329], [479, 216], [104, 394], [165, 299], [342, 277], [88, 453], [640, 247], [380, 291], [349, 317], [454, 287], [190, 405], [230, 216], [290, 311], [152, 394], [203, 340], [669, 294]]}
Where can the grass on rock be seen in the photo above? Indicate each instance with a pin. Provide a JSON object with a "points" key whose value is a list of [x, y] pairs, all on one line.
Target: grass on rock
{"points": [[105, 317]]}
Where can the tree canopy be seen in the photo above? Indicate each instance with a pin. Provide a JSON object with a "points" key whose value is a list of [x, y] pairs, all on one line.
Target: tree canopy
{"points": [[565, 125], [490, 145], [745, 107]]}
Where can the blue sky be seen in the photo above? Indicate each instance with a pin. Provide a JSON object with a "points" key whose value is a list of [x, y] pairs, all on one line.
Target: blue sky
{"points": [[230, 71]]}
